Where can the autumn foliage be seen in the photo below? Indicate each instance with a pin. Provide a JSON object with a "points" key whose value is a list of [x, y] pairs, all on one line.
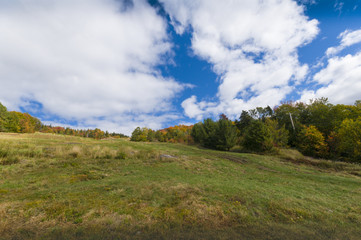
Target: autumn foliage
{"points": [[175, 134]]}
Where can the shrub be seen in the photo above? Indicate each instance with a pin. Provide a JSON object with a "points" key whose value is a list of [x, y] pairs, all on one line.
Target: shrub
{"points": [[120, 155]]}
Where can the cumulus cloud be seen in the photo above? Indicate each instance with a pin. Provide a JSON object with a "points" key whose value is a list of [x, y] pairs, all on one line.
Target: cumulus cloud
{"points": [[85, 60], [348, 38], [340, 80], [252, 45], [192, 109]]}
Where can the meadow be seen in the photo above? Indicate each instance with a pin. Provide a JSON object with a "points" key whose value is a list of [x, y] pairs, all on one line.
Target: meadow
{"points": [[65, 187]]}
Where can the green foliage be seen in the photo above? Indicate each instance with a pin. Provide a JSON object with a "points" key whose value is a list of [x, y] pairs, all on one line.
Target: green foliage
{"points": [[140, 135], [319, 113], [4, 118], [244, 121], [257, 137], [278, 134], [221, 135], [311, 142], [209, 127], [287, 111], [225, 135], [151, 135], [349, 138], [198, 133], [13, 124], [261, 113], [204, 133]]}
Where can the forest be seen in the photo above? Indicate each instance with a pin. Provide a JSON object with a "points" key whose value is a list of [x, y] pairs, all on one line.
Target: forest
{"points": [[17, 122], [317, 129]]}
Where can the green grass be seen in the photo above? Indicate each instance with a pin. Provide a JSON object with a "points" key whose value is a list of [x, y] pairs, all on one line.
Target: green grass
{"points": [[60, 187]]}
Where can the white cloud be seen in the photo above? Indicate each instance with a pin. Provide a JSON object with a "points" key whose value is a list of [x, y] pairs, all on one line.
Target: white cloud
{"points": [[85, 59], [126, 124], [340, 80], [338, 6], [251, 44], [348, 38], [192, 109]]}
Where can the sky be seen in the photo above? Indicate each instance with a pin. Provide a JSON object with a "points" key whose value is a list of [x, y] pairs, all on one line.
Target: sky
{"points": [[119, 64]]}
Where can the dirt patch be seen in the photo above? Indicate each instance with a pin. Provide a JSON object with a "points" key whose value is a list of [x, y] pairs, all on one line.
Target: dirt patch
{"points": [[232, 158], [267, 169], [327, 165]]}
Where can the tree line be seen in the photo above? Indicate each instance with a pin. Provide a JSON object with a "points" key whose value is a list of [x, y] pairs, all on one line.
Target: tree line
{"points": [[17, 122], [175, 134], [318, 129]]}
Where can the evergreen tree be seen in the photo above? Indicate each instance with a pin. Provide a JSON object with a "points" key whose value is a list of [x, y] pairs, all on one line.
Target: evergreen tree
{"points": [[198, 133], [257, 137], [244, 121], [225, 135], [209, 127]]}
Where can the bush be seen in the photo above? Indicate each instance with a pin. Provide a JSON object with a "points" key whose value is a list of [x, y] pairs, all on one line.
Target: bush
{"points": [[120, 155]]}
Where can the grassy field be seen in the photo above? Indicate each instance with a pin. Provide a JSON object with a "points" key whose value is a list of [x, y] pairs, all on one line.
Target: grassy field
{"points": [[60, 187]]}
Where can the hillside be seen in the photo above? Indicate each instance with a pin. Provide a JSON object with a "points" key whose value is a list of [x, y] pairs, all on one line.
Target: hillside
{"points": [[63, 187]]}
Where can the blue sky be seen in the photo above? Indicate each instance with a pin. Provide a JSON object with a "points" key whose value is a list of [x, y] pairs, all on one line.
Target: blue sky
{"points": [[116, 64]]}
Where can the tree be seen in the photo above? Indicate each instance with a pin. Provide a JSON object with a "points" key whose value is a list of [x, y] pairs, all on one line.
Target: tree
{"points": [[150, 135], [261, 113], [4, 118], [209, 130], [312, 142], [244, 121], [13, 123], [278, 134], [290, 112], [198, 133], [225, 135], [140, 135], [320, 115], [257, 137], [349, 139]]}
